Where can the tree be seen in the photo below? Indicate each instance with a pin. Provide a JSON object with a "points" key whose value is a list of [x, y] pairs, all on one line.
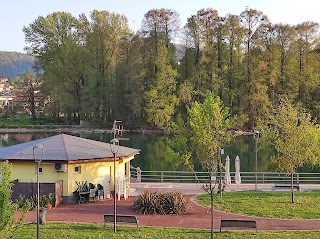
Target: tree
{"points": [[8, 224], [28, 87], [159, 26], [56, 44], [307, 39], [160, 98], [205, 134], [131, 81], [233, 37], [253, 21], [296, 138], [202, 30], [104, 36]]}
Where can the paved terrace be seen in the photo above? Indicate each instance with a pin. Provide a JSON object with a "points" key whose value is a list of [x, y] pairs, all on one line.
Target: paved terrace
{"points": [[199, 217]]}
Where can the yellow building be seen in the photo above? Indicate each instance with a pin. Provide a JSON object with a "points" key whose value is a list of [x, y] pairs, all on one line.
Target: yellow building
{"points": [[68, 159]]}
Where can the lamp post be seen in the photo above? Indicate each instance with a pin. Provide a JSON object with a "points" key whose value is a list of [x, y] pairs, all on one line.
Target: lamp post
{"points": [[114, 146], [256, 136], [38, 161], [221, 152]]}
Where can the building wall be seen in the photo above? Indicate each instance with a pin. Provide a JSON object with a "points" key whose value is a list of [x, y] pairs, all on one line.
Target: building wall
{"points": [[26, 172], [30, 189], [89, 173]]}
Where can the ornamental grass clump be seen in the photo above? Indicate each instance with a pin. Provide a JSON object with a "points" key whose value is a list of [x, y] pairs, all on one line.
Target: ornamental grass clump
{"points": [[153, 202]]}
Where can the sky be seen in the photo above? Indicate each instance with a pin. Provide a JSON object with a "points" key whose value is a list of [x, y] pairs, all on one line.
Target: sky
{"points": [[18, 13]]}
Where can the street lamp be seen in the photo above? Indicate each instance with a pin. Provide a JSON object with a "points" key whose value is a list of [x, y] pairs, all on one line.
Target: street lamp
{"points": [[221, 152], [38, 161], [256, 136], [114, 146]]}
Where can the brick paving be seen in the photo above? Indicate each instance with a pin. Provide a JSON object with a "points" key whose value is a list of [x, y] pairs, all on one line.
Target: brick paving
{"points": [[199, 217]]}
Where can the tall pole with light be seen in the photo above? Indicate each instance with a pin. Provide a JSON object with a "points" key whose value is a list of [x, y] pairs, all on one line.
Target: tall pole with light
{"points": [[114, 146], [38, 161], [256, 136], [221, 152]]}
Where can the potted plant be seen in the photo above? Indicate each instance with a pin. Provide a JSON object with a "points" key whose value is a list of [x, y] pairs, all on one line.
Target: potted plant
{"points": [[49, 199]]}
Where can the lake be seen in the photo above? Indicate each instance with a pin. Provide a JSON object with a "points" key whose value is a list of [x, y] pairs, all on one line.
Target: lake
{"points": [[154, 155]]}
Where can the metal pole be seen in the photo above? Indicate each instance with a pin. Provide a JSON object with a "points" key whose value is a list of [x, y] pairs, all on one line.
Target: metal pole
{"points": [[38, 146], [211, 206], [38, 192], [256, 187], [220, 175], [256, 135], [115, 194], [114, 146]]}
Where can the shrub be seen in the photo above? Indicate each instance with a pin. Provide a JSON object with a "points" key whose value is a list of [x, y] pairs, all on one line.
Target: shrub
{"points": [[8, 223], [145, 202], [23, 202], [44, 201], [153, 202]]}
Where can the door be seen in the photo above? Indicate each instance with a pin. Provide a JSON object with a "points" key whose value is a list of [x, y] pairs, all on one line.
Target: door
{"points": [[104, 180]]}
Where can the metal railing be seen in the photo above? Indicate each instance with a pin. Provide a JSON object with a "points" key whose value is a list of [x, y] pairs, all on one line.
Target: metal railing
{"points": [[246, 177]]}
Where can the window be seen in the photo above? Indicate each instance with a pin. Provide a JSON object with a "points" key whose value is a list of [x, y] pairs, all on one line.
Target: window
{"points": [[40, 170], [77, 169]]}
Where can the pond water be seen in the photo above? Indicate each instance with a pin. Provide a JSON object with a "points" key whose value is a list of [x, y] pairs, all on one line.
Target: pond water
{"points": [[154, 155]]}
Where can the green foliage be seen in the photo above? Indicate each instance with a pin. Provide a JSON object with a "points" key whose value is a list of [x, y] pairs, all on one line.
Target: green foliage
{"points": [[160, 98], [246, 60], [8, 224], [269, 204], [295, 137], [23, 202], [153, 202], [44, 201], [179, 146], [209, 122]]}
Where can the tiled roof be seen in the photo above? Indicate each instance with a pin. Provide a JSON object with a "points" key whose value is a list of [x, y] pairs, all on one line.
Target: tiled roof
{"points": [[64, 147]]}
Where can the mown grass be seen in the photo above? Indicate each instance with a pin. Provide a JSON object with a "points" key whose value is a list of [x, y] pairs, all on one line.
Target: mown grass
{"points": [[268, 204], [97, 231]]}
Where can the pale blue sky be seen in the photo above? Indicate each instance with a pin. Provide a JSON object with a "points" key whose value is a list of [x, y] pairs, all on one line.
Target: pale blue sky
{"points": [[16, 14]]}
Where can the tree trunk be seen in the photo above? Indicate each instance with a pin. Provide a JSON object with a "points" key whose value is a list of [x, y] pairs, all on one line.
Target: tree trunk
{"points": [[211, 208]]}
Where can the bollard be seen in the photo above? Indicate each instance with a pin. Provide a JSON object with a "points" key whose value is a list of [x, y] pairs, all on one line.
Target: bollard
{"points": [[42, 215], [139, 175]]}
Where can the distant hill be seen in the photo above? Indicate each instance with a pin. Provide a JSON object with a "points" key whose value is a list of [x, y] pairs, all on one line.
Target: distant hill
{"points": [[13, 64]]}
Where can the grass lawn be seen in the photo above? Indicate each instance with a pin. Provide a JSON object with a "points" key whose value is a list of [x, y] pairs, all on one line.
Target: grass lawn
{"points": [[91, 231], [268, 204]]}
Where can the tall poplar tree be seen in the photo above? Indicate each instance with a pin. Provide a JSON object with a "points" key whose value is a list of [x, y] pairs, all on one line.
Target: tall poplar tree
{"points": [[161, 98], [54, 42]]}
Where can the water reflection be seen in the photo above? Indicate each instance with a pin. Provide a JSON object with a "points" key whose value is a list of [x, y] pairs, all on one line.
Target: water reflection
{"points": [[155, 154]]}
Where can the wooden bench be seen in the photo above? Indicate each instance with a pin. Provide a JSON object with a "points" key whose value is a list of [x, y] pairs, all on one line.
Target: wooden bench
{"points": [[238, 224], [121, 219], [286, 186]]}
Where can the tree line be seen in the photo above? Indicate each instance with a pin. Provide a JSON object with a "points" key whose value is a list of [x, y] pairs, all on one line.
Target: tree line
{"points": [[97, 69]]}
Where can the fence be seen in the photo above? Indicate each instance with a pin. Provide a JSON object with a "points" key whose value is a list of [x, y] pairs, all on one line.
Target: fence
{"points": [[202, 177], [29, 189]]}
